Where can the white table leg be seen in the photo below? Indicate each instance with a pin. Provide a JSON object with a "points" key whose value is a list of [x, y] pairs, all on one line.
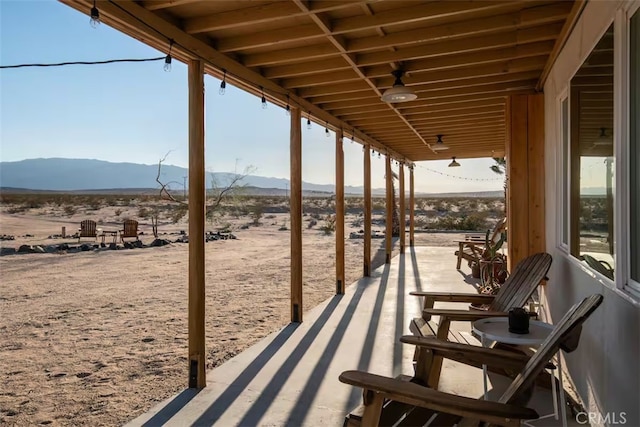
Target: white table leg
{"points": [[554, 396], [484, 371]]}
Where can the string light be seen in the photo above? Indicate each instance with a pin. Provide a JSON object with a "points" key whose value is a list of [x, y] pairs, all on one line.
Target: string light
{"points": [[326, 129], [353, 135], [95, 16], [309, 120], [223, 83], [459, 177], [263, 100], [288, 107], [167, 59]]}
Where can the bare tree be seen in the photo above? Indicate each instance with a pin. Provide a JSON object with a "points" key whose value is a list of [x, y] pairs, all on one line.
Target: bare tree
{"points": [[220, 191]]}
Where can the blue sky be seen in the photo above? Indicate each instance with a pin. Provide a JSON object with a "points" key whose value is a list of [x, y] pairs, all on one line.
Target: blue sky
{"points": [[138, 112]]}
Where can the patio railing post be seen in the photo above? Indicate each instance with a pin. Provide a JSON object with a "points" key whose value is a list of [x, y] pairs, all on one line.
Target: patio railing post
{"points": [[367, 210], [402, 209], [197, 352], [296, 215], [339, 214], [412, 203], [388, 237]]}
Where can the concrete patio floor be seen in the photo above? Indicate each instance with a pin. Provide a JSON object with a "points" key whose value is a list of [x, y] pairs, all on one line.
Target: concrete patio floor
{"points": [[290, 378]]}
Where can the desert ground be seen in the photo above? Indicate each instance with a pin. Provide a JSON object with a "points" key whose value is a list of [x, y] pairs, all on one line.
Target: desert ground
{"points": [[97, 337]]}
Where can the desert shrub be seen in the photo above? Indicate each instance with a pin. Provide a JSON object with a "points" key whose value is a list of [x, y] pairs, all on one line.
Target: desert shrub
{"points": [[329, 225], [178, 212], [256, 213], [312, 223], [283, 227], [16, 209], [70, 210], [474, 222], [358, 222], [143, 212], [118, 212]]}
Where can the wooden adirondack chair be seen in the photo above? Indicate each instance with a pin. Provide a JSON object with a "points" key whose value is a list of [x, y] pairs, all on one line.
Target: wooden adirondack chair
{"points": [[129, 229], [515, 292], [390, 400], [87, 229], [472, 247]]}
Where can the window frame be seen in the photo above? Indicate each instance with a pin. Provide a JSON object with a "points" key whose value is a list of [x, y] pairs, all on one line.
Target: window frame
{"points": [[623, 149], [562, 216]]}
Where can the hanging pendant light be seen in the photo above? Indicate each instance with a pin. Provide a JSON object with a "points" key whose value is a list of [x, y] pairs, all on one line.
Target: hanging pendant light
{"points": [[453, 163], [399, 92], [439, 145]]}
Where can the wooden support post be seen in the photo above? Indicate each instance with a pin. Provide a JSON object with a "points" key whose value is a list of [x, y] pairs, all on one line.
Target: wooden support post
{"points": [[367, 211], [296, 215], [197, 353], [339, 214], [412, 204], [402, 212], [525, 163], [388, 237]]}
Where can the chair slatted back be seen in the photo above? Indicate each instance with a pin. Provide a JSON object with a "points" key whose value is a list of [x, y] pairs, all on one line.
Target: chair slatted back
{"points": [[566, 329], [88, 228], [521, 284], [130, 228]]}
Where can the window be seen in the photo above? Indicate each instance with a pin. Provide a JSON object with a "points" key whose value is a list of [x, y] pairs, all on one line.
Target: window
{"points": [[564, 123], [634, 146], [591, 160]]}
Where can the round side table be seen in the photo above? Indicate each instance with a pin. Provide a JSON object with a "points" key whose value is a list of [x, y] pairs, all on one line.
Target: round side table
{"points": [[496, 329]]}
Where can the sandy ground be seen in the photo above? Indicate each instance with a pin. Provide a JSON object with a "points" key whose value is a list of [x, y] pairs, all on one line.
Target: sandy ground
{"points": [[96, 338]]}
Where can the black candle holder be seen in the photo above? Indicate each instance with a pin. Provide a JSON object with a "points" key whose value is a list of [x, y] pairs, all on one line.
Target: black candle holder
{"points": [[518, 321]]}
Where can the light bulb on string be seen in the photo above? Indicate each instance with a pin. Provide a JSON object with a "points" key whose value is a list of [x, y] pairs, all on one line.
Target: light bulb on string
{"points": [[95, 16], [326, 129], [223, 83], [167, 59], [309, 120], [288, 107], [263, 100], [353, 135]]}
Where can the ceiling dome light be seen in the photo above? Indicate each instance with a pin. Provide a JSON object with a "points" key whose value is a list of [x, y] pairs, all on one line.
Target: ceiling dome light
{"points": [[439, 145], [399, 92], [453, 163]]}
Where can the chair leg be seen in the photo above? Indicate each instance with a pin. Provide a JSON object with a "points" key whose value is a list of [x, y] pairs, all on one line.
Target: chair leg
{"points": [[460, 249]]}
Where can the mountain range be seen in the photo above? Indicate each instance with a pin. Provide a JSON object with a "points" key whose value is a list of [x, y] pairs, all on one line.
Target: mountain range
{"points": [[59, 174]]}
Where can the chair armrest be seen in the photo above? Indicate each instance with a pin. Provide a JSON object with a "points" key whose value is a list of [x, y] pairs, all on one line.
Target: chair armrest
{"points": [[470, 354], [414, 394], [431, 297], [462, 315]]}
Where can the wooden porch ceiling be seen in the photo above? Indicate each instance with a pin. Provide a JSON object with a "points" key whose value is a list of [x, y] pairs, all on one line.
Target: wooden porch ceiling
{"points": [[334, 59]]}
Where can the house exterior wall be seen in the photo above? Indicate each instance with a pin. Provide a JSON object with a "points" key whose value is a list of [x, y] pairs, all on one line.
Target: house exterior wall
{"points": [[605, 368]]}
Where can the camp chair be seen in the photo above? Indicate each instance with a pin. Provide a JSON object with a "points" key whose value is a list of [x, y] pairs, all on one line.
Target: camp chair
{"points": [[391, 400], [473, 246], [515, 292], [602, 267], [130, 229], [87, 229]]}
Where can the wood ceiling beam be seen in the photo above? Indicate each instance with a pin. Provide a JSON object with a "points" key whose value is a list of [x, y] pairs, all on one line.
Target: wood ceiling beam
{"points": [[163, 4], [561, 40], [547, 33], [427, 107], [269, 38], [329, 77], [514, 78], [305, 68], [530, 53], [253, 15], [469, 115]]}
